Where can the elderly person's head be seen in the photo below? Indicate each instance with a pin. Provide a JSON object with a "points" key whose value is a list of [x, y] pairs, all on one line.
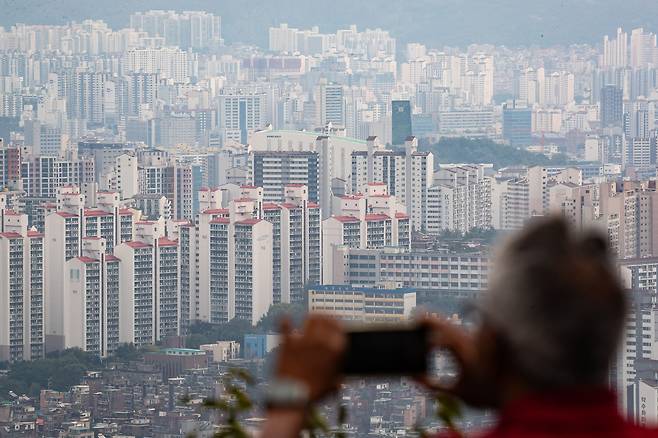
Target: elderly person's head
{"points": [[554, 312]]}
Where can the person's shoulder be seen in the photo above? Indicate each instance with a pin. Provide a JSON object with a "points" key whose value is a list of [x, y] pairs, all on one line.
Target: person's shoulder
{"points": [[635, 431]]}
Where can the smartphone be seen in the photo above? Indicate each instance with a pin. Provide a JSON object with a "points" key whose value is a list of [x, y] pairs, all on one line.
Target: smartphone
{"points": [[387, 351]]}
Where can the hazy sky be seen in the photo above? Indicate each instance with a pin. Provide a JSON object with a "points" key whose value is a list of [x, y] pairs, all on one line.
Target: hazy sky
{"points": [[435, 22]]}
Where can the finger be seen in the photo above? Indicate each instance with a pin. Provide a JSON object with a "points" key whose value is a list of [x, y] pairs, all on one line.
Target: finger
{"points": [[325, 330], [433, 384], [318, 326]]}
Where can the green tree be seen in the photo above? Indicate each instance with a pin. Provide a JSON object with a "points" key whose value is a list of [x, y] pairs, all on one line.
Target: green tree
{"points": [[271, 320], [468, 150], [127, 353], [58, 370]]}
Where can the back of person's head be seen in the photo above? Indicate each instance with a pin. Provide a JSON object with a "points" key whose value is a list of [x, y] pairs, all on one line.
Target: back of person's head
{"points": [[556, 305]]}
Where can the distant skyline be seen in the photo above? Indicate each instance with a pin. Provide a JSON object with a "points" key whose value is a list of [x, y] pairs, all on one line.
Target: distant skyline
{"points": [[432, 22]]}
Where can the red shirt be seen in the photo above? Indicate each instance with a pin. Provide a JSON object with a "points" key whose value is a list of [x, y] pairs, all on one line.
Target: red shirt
{"points": [[568, 414]]}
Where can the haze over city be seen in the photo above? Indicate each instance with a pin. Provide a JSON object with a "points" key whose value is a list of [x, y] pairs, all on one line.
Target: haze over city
{"points": [[433, 22], [179, 177]]}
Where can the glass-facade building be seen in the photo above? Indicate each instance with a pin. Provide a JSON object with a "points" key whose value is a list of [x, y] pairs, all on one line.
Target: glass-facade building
{"points": [[400, 121], [517, 126]]}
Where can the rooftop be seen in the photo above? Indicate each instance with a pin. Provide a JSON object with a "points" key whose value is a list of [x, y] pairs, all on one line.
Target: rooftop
{"points": [[221, 220], [216, 211], [377, 217], [11, 235], [163, 241], [347, 219], [84, 259], [136, 244], [365, 290], [249, 222]]}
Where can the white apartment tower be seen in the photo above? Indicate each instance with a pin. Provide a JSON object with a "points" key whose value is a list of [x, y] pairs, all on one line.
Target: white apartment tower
{"points": [[252, 275], [65, 229], [374, 220], [459, 200], [406, 174], [21, 290], [615, 51], [149, 302], [296, 244], [91, 299], [629, 212]]}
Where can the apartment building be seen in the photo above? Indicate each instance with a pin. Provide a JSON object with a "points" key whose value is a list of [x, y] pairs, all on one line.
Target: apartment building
{"points": [[363, 304], [21, 290]]}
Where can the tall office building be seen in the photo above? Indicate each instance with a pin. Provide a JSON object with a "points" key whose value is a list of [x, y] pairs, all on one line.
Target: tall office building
{"points": [[517, 125], [240, 112], [400, 121], [612, 106], [330, 104], [21, 290]]}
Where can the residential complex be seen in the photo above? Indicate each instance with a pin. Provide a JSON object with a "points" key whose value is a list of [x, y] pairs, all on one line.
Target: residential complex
{"points": [[157, 180]]}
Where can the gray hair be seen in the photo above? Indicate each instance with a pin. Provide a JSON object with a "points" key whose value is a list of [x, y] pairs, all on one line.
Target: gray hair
{"points": [[556, 303]]}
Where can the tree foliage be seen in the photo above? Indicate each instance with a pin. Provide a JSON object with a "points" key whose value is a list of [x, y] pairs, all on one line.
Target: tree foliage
{"points": [[468, 150], [235, 329], [58, 371], [126, 353], [206, 333], [271, 320]]}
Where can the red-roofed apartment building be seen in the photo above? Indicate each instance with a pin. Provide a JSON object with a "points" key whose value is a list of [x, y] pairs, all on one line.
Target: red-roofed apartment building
{"points": [[21, 290], [149, 305], [91, 299]]}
